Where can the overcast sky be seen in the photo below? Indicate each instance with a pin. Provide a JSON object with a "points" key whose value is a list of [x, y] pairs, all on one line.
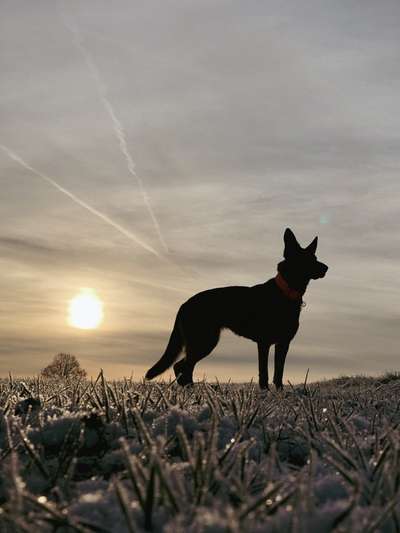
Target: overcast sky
{"points": [[242, 119]]}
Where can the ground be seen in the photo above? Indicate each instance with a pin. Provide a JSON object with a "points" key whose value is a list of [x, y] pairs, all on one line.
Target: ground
{"points": [[131, 457]]}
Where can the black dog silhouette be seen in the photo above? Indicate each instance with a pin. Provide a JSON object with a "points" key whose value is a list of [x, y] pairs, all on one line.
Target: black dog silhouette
{"points": [[267, 314]]}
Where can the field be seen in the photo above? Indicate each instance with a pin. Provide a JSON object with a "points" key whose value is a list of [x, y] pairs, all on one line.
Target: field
{"points": [[130, 457]]}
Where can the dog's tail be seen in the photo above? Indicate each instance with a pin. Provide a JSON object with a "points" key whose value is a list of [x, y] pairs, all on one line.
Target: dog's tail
{"points": [[174, 348]]}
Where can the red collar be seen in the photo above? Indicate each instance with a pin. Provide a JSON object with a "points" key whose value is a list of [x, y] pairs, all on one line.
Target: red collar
{"points": [[292, 294]]}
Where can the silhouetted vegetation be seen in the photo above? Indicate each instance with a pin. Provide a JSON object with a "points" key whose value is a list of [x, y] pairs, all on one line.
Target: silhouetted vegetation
{"points": [[64, 366]]}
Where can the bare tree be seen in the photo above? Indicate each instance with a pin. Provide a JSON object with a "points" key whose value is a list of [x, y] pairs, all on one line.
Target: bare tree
{"points": [[64, 366]]}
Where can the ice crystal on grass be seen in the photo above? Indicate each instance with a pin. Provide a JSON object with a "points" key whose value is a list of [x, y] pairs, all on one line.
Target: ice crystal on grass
{"points": [[166, 423], [126, 456]]}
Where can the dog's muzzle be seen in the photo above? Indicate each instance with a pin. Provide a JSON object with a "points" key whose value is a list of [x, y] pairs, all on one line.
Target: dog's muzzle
{"points": [[324, 270], [321, 271]]}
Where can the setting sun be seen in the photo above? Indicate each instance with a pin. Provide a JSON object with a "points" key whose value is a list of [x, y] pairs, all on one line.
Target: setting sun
{"points": [[85, 310]]}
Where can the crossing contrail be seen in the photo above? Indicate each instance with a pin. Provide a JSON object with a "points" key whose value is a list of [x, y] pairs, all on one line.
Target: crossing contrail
{"points": [[78, 201], [116, 123]]}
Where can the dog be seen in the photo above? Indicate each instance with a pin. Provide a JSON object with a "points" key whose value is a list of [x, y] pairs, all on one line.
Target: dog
{"points": [[267, 314]]}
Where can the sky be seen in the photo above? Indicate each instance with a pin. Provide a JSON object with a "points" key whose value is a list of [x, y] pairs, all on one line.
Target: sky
{"points": [[151, 150]]}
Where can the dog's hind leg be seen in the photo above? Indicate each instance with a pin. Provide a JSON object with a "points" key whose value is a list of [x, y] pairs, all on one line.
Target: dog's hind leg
{"points": [[195, 351], [263, 351], [182, 373], [281, 351]]}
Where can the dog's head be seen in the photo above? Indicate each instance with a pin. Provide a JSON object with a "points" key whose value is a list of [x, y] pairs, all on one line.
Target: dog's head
{"points": [[300, 264]]}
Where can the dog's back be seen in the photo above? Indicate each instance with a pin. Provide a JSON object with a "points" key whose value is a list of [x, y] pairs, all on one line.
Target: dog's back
{"points": [[251, 312]]}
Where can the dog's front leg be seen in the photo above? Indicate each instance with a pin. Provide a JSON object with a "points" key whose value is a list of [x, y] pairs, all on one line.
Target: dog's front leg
{"points": [[263, 351], [280, 355]]}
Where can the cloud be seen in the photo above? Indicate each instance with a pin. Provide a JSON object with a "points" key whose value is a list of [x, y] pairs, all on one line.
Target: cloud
{"points": [[26, 245]]}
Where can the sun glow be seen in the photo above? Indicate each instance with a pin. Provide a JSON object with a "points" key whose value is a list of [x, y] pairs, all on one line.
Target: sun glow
{"points": [[85, 310]]}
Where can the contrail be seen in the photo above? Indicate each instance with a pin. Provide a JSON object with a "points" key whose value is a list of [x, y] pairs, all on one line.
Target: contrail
{"points": [[116, 123], [74, 198]]}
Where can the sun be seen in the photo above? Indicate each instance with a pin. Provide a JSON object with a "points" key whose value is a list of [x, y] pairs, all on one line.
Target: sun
{"points": [[85, 310]]}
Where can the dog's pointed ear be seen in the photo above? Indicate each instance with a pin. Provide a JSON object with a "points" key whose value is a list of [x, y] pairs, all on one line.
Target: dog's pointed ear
{"points": [[291, 244], [312, 247]]}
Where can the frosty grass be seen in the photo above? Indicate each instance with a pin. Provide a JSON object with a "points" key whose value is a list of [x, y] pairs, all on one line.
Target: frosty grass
{"points": [[129, 457]]}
